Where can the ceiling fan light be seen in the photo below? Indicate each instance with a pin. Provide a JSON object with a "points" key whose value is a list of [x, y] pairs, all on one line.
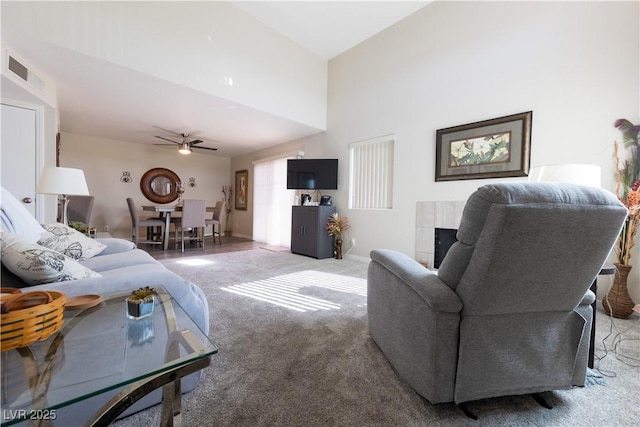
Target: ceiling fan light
{"points": [[185, 148]]}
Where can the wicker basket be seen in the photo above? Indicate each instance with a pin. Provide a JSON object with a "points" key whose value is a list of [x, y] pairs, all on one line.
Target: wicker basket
{"points": [[6, 293], [29, 317]]}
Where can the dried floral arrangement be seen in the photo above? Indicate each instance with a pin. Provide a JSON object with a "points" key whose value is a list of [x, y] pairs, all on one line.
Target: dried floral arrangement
{"points": [[628, 187], [336, 225]]}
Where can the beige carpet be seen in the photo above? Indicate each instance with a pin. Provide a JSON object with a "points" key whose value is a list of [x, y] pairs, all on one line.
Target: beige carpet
{"points": [[311, 362], [275, 248]]}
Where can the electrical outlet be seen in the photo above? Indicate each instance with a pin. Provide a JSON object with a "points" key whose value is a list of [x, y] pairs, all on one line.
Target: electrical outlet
{"points": [[353, 241], [106, 228]]}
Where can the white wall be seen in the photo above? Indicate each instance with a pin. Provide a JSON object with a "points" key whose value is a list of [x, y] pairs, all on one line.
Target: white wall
{"points": [[103, 162], [17, 92], [216, 42], [575, 65]]}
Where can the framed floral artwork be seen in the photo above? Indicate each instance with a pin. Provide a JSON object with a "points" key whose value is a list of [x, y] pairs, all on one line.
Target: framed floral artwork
{"points": [[242, 187], [494, 148]]}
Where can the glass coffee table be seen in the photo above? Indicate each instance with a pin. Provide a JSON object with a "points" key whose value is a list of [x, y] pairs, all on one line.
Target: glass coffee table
{"points": [[99, 355]]}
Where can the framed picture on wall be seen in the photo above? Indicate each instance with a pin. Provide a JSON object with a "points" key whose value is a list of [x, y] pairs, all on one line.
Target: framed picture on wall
{"points": [[242, 187], [495, 148]]}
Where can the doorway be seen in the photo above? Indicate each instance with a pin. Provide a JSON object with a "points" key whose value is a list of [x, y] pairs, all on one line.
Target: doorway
{"points": [[272, 203], [20, 155]]}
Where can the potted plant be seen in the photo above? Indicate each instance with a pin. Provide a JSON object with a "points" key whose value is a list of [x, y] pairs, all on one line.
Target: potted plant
{"points": [[140, 303], [79, 226], [617, 302], [336, 225]]}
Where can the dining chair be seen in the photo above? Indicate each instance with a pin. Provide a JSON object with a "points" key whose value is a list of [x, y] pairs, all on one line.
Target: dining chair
{"points": [[193, 216], [149, 223], [214, 222]]}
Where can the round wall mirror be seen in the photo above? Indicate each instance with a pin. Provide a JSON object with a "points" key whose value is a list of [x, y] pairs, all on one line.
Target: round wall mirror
{"points": [[160, 185]]}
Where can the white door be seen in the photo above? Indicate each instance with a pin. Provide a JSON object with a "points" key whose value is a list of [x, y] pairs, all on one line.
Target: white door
{"points": [[18, 154]]}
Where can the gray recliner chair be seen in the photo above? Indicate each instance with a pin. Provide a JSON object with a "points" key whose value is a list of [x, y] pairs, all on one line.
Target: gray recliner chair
{"points": [[508, 312]]}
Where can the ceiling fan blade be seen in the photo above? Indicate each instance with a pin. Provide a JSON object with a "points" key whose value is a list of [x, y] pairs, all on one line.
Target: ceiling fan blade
{"points": [[204, 148], [167, 139], [172, 132], [196, 141]]}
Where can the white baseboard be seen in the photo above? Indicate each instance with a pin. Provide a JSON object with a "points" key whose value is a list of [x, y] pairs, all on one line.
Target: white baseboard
{"points": [[358, 258]]}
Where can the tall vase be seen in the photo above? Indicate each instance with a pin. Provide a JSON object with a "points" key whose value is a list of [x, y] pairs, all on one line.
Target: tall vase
{"points": [[617, 302], [338, 247]]}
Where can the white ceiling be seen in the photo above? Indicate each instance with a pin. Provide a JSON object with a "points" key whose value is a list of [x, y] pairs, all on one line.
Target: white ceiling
{"points": [[329, 28], [113, 102]]}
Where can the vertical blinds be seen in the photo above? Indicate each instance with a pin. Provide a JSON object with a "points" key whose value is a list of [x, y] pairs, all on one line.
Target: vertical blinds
{"points": [[272, 203], [371, 173]]}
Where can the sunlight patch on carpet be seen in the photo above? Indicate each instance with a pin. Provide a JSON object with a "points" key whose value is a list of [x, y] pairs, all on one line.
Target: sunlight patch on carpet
{"points": [[194, 262], [284, 290]]}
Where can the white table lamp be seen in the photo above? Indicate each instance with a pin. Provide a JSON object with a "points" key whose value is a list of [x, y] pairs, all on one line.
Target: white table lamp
{"points": [[572, 173], [65, 182]]}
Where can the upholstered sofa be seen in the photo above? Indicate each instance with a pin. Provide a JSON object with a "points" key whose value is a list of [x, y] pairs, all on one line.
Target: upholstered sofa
{"points": [[118, 266]]}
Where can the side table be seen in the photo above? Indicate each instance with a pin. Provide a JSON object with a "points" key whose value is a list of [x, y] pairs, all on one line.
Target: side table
{"points": [[606, 270], [100, 352]]}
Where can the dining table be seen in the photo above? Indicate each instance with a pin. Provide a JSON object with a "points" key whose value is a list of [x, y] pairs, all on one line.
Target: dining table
{"points": [[165, 212]]}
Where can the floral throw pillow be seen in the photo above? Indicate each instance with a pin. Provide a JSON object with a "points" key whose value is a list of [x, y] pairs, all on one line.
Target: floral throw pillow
{"points": [[69, 242], [35, 264]]}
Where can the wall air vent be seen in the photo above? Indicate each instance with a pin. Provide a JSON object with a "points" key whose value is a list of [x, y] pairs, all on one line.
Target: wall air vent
{"points": [[25, 74], [18, 69], [27, 78]]}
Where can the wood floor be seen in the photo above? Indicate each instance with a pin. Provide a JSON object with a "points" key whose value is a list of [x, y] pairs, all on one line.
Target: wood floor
{"points": [[228, 244]]}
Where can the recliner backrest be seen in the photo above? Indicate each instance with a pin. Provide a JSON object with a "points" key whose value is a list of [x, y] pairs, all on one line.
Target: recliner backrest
{"points": [[526, 247]]}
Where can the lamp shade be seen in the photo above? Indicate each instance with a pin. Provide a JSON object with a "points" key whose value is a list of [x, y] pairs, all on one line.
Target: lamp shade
{"points": [[572, 173], [56, 180]]}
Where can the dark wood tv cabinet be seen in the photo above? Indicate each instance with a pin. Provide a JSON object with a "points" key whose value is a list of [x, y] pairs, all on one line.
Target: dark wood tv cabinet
{"points": [[308, 231]]}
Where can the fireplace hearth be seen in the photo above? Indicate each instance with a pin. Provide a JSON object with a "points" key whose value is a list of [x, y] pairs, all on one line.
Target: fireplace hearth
{"points": [[429, 216]]}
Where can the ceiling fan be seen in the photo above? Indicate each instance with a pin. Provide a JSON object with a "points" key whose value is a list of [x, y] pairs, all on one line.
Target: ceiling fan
{"points": [[187, 145]]}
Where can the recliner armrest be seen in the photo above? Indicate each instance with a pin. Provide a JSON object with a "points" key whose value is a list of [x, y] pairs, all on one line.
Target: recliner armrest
{"points": [[424, 282], [588, 298]]}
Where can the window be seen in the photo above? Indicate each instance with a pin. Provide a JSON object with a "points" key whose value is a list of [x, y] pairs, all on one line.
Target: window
{"points": [[371, 173], [272, 203]]}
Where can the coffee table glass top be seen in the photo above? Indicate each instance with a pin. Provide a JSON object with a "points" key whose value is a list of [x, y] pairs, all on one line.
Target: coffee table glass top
{"points": [[97, 350]]}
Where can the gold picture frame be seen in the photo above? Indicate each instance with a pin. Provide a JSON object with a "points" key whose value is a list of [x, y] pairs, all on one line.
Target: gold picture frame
{"points": [[242, 189]]}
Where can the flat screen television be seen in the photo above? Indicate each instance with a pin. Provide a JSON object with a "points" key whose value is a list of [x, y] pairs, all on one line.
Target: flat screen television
{"points": [[312, 174]]}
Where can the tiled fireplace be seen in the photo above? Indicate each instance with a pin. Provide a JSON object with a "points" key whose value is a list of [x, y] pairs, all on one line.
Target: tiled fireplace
{"points": [[432, 215]]}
